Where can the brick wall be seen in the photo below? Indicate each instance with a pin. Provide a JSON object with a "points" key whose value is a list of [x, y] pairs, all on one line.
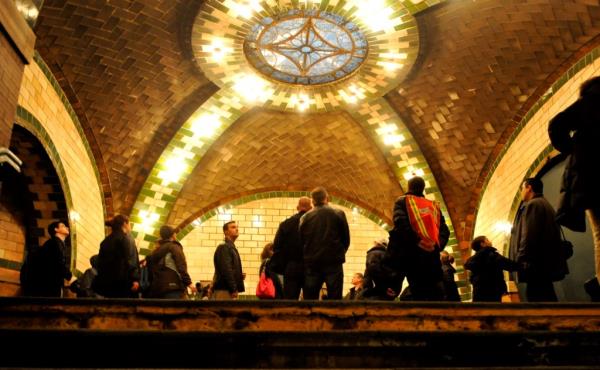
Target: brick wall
{"points": [[39, 97], [10, 79], [520, 156], [258, 222]]}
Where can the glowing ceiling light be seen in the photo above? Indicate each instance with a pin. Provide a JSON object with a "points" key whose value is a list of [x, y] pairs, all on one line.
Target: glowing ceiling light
{"points": [[389, 66], [503, 227], [74, 216], [175, 167], [252, 88], [375, 14], [205, 125], [257, 221], [300, 101], [244, 9], [392, 139], [413, 172], [387, 129], [353, 95], [148, 220], [218, 50]]}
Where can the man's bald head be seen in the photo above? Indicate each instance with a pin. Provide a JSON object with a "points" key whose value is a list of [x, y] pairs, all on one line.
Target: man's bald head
{"points": [[304, 204]]}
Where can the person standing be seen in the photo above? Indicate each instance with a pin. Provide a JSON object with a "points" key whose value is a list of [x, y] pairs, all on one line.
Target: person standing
{"points": [[419, 234], [228, 281], [287, 251], [535, 244], [325, 237], [450, 288], [168, 267], [118, 262], [487, 266], [46, 267], [580, 186]]}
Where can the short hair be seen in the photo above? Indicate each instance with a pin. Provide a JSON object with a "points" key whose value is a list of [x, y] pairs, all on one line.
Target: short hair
{"points": [[590, 87], [359, 275], [226, 225], [166, 232], [476, 243], [536, 185], [54, 225], [117, 222], [319, 195], [416, 185]]}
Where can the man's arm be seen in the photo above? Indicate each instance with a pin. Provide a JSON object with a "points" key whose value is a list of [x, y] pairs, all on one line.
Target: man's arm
{"points": [[181, 264], [444, 234], [345, 231]]}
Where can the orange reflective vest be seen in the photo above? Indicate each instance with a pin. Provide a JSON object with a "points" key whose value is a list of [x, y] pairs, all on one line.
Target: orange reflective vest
{"points": [[424, 216]]}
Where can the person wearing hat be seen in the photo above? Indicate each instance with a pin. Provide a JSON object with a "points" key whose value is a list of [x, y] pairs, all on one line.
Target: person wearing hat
{"points": [[168, 268]]}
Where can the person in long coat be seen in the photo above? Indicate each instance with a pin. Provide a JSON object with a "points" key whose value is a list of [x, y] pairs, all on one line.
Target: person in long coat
{"points": [[576, 132]]}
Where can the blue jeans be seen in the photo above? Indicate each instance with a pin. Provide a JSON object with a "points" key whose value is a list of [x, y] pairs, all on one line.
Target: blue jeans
{"points": [[332, 276]]}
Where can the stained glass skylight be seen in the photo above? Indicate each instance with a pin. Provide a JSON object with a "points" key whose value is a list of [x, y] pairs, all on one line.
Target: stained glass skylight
{"points": [[306, 47]]}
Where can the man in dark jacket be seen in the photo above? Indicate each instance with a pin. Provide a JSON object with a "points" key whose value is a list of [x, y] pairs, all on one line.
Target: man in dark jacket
{"points": [[325, 236], [487, 266], [287, 252], [168, 267], [535, 244], [380, 282], [580, 188], [46, 267], [450, 287], [228, 281], [413, 253]]}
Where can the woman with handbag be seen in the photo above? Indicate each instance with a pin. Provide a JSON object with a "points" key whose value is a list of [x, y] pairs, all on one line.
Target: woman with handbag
{"points": [[268, 286]]}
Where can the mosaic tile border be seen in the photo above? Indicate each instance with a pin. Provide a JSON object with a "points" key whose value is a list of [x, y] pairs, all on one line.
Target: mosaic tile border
{"points": [[221, 25], [583, 62], [69, 108], [186, 149], [27, 120]]}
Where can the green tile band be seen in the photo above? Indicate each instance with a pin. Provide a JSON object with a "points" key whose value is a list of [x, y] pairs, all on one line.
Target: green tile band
{"points": [[28, 121]]}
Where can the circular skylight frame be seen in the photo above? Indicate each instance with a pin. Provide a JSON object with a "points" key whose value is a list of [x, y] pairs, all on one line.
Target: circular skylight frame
{"points": [[313, 42]]}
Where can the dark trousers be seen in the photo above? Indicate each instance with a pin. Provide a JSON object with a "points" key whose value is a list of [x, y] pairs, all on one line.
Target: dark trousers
{"points": [[540, 291], [332, 276], [479, 296], [293, 279], [424, 275]]}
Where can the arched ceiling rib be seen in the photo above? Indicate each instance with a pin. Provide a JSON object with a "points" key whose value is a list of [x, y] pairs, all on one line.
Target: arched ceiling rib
{"points": [[481, 61], [125, 64], [269, 149]]}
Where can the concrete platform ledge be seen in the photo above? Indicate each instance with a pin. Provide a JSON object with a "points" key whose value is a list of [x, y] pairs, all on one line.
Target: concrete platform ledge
{"points": [[281, 334]]}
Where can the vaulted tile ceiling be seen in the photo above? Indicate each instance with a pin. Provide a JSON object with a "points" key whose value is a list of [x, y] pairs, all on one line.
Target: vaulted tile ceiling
{"points": [[128, 69]]}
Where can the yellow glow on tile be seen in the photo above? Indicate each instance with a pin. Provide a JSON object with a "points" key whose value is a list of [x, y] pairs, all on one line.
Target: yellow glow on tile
{"points": [[389, 66], [375, 14], [205, 125], [244, 8], [412, 172], [300, 101], [252, 88], [392, 139], [218, 50], [148, 220], [503, 227], [175, 167]]}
